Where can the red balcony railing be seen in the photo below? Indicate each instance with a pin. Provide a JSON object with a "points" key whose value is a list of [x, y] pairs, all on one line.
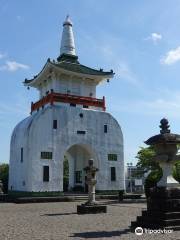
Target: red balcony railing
{"points": [[67, 98]]}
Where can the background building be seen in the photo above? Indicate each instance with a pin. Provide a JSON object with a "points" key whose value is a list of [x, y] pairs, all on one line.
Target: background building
{"points": [[134, 178]]}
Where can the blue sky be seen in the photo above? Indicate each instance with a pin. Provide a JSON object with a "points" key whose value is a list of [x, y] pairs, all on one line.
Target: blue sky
{"points": [[139, 40]]}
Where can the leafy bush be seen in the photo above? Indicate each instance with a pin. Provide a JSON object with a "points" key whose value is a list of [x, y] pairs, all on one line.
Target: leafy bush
{"points": [[121, 195], [152, 180], [176, 171], [4, 175]]}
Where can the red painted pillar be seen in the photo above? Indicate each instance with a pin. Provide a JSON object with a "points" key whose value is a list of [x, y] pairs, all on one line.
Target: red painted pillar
{"points": [[31, 107], [104, 104], [52, 98]]}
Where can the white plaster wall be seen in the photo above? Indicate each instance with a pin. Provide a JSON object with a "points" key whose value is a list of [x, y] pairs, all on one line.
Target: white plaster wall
{"points": [[88, 88], [36, 134], [19, 171], [79, 87]]}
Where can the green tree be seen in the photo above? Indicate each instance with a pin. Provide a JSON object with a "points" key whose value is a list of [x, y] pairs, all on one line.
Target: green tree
{"points": [[145, 161], [4, 175], [144, 157], [176, 171]]}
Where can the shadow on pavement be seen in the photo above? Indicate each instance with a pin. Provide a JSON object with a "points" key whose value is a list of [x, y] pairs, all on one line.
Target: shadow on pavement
{"points": [[101, 234], [58, 214]]}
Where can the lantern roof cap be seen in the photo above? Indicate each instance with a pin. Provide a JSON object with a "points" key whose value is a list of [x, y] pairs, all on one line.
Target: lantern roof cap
{"points": [[165, 136]]}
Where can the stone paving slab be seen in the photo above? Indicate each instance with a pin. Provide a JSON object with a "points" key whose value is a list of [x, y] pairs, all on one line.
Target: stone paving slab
{"points": [[59, 221]]}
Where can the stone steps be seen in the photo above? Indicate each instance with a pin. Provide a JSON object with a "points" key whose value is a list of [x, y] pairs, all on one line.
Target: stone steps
{"points": [[160, 215], [158, 221], [167, 205], [65, 198], [153, 226]]}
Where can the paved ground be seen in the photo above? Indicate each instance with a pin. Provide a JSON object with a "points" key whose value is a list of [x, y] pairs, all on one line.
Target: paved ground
{"points": [[59, 221]]}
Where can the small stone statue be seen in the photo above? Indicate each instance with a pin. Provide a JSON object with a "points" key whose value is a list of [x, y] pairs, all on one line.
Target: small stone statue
{"points": [[91, 205], [91, 182], [1, 187]]}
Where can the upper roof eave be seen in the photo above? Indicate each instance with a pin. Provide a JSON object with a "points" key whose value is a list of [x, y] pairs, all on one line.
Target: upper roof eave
{"points": [[88, 75], [36, 77], [87, 72]]}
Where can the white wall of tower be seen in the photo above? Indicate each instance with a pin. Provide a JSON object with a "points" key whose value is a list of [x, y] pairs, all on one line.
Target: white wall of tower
{"points": [[36, 134], [72, 85]]}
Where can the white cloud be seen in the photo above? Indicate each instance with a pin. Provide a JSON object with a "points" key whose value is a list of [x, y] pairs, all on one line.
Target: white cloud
{"points": [[2, 55], [121, 68], [171, 57], [17, 108], [123, 72], [167, 106], [19, 18], [10, 109], [155, 37], [13, 66]]}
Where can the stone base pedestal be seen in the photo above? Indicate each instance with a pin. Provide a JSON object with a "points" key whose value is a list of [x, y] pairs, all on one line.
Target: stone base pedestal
{"points": [[163, 210], [91, 209]]}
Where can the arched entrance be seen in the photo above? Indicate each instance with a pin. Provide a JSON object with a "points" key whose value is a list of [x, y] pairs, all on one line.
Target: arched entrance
{"points": [[77, 156]]}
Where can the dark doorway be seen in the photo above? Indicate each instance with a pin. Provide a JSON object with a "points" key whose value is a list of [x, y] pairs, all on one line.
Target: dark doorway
{"points": [[65, 174]]}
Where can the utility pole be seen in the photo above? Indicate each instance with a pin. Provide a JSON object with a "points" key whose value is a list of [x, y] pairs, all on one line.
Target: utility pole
{"points": [[130, 177]]}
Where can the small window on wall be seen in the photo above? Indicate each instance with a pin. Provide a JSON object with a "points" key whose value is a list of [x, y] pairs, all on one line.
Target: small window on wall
{"points": [[81, 132], [78, 175], [46, 155], [113, 174], [112, 157], [72, 105], [54, 124], [22, 155], [85, 106], [105, 128], [45, 173]]}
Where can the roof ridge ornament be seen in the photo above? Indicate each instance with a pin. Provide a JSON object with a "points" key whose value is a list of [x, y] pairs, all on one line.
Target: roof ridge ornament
{"points": [[164, 125]]}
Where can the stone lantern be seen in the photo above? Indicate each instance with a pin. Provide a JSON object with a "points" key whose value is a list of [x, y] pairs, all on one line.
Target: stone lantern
{"points": [[163, 203], [165, 146]]}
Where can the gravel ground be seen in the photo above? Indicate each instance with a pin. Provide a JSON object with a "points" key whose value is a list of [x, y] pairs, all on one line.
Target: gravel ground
{"points": [[59, 221]]}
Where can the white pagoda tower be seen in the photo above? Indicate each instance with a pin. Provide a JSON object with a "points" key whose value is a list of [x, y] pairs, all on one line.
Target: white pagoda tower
{"points": [[67, 120]]}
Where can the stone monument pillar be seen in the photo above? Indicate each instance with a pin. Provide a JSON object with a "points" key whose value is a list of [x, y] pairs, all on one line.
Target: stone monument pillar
{"points": [[91, 205], [163, 204]]}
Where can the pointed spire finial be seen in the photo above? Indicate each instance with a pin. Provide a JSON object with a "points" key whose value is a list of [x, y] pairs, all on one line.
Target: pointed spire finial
{"points": [[67, 21], [67, 41]]}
